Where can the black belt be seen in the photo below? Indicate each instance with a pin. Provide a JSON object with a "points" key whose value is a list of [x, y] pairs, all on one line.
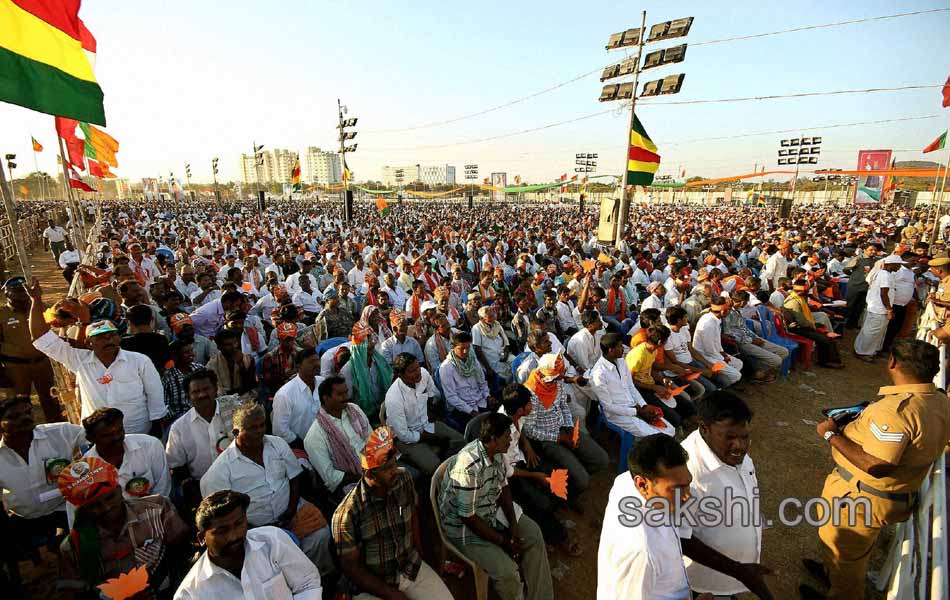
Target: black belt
{"points": [[906, 497], [21, 361]]}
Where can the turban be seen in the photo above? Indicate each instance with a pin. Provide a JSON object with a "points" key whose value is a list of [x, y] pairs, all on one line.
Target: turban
{"points": [[442, 292], [378, 447], [552, 366], [86, 480], [179, 320], [397, 317], [653, 286], [361, 333], [286, 330]]}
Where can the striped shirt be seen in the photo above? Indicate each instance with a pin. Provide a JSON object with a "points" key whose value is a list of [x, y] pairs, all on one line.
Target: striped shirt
{"points": [[380, 529], [472, 486]]}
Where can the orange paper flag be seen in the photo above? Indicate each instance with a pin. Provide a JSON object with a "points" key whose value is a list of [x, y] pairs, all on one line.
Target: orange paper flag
{"points": [[719, 366], [558, 483], [577, 433], [588, 265], [693, 376], [126, 585], [605, 258], [246, 286], [832, 335], [677, 391]]}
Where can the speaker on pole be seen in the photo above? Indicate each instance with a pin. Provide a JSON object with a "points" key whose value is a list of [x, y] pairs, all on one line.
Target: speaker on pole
{"points": [[471, 201], [261, 204], [580, 202], [348, 205]]}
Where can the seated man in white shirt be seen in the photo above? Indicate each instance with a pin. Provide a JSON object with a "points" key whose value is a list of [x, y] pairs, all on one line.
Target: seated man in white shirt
{"points": [[425, 443], [707, 342], [721, 468], [584, 346], [641, 552], [308, 300], [31, 457], [619, 398], [106, 375], [400, 341], [262, 563], [265, 468], [296, 402], [138, 458], [336, 437]]}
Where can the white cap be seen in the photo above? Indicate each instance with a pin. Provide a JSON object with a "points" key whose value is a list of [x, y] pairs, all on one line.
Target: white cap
{"points": [[893, 259]]}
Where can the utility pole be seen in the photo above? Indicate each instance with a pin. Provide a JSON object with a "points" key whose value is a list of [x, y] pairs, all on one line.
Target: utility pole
{"points": [[344, 149], [214, 175]]}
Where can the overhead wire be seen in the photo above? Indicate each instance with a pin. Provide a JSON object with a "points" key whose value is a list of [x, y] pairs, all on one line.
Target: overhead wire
{"points": [[599, 69]]}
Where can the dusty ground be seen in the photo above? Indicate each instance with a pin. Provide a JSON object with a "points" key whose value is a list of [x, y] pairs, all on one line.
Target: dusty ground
{"points": [[791, 461]]}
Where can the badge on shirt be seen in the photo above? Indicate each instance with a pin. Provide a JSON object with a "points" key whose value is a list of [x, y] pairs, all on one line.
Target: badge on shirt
{"points": [[882, 435], [53, 467], [223, 442], [105, 379], [138, 487]]}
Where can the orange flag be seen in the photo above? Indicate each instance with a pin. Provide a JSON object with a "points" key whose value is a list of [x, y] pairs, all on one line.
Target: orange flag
{"points": [[37, 147], [126, 585], [576, 437], [558, 483]]}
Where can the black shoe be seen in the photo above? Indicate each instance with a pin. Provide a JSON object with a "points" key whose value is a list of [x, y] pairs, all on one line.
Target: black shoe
{"points": [[817, 570], [809, 593]]}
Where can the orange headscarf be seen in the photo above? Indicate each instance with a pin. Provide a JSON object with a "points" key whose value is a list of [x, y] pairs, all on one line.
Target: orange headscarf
{"points": [[543, 379]]}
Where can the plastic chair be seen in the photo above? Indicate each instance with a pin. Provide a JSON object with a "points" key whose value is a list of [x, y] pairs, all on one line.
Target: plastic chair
{"points": [[769, 332], [805, 346], [448, 548], [627, 439], [517, 363], [328, 344]]}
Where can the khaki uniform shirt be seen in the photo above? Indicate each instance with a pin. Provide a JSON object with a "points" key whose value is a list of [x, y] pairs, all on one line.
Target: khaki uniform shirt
{"points": [[943, 295], [15, 339], [909, 427]]}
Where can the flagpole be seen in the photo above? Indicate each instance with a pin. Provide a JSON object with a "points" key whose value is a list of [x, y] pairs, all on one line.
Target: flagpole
{"points": [[943, 184], [36, 168], [70, 200], [624, 201], [10, 209]]}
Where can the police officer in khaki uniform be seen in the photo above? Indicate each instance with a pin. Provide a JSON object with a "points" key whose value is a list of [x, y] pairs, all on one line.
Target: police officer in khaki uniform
{"points": [[881, 459], [22, 365]]}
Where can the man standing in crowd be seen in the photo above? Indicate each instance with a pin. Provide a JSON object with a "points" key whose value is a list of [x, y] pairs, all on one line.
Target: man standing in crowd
{"points": [[54, 238], [106, 375], [880, 311], [259, 563], [376, 529], [881, 458], [23, 366]]}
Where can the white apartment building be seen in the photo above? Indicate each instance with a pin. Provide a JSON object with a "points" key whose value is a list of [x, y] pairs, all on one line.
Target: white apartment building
{"points": [[250, 171], [321, 168], [283, 165], [427, 174]]}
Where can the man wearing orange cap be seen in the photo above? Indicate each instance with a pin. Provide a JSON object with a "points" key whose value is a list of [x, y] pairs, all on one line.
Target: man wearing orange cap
{"points": [[376, 529], [113, 535], [399, 341], [183, 329]]}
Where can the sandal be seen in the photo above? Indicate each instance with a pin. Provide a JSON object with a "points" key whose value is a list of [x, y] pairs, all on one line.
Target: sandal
{"points": [[572, 547]]}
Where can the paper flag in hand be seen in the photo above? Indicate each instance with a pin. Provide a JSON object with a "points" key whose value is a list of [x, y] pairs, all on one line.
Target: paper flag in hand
{"points": [[832, 335], [719, 366], [693, 376], [677, 391], [246, 286], [605, 258], [558, 483], [588, 265], [577, 433], [125, 585]]}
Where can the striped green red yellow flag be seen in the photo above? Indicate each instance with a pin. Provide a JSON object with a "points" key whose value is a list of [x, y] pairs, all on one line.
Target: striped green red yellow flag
{"points": [[937, 144], [295, 175], [44, 64], [642, 161]]}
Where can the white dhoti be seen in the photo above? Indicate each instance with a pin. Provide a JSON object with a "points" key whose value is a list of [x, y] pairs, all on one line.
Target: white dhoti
{"points": [[871, 337], [638, 427]]}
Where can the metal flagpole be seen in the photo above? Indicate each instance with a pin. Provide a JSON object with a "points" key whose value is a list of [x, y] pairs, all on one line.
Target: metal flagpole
{"points": [[624, 201], [11, 216], [943, 184], [71, 201], [36, 168]]}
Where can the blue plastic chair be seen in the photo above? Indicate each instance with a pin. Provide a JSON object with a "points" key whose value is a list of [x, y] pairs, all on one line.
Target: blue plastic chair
{"points": [[325, 345], [517, 363], [769, 333], [626, 438]]}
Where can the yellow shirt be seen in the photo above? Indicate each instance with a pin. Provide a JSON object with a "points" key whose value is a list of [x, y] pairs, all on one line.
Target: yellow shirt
{"points": [[640, 362]]}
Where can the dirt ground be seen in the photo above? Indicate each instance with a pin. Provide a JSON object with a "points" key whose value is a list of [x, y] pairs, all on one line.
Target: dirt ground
{"points": [[791, 461]]}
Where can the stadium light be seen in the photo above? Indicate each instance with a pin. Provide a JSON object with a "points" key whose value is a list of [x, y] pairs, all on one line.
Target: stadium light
{"points": [[342, 125], [798, 151]]}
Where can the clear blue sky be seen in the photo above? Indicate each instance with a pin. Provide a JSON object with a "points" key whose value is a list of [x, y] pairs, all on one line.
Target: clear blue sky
{"points": [[186, 81]]}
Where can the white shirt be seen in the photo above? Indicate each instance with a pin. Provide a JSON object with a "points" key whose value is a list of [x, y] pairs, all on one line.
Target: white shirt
{"points": [[188, 289], [68, 256], [652, 301], [777, 299], [317, 444], [54, 234], [211, 297], [307, 302], [268, 486], [356, 277], [678, 345], [295, 408], [274, 569], [775, 267], [614, 388], [407, 408], [130, 383], [904, 286], [584, 348], [711, 478], [707, 339], [644, 561], [194, 442], [326, 361], [293, 282], [565, 315], [23, 483], [883, 280], [144, 459]]}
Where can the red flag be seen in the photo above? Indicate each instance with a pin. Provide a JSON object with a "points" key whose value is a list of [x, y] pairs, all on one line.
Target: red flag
{"points": [[76, 182], [75, 146], [946, 93], [95, 170], [564, 177]]}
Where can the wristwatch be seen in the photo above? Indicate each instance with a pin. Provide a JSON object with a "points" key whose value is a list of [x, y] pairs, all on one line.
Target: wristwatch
{"points": [[830, 434]]}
